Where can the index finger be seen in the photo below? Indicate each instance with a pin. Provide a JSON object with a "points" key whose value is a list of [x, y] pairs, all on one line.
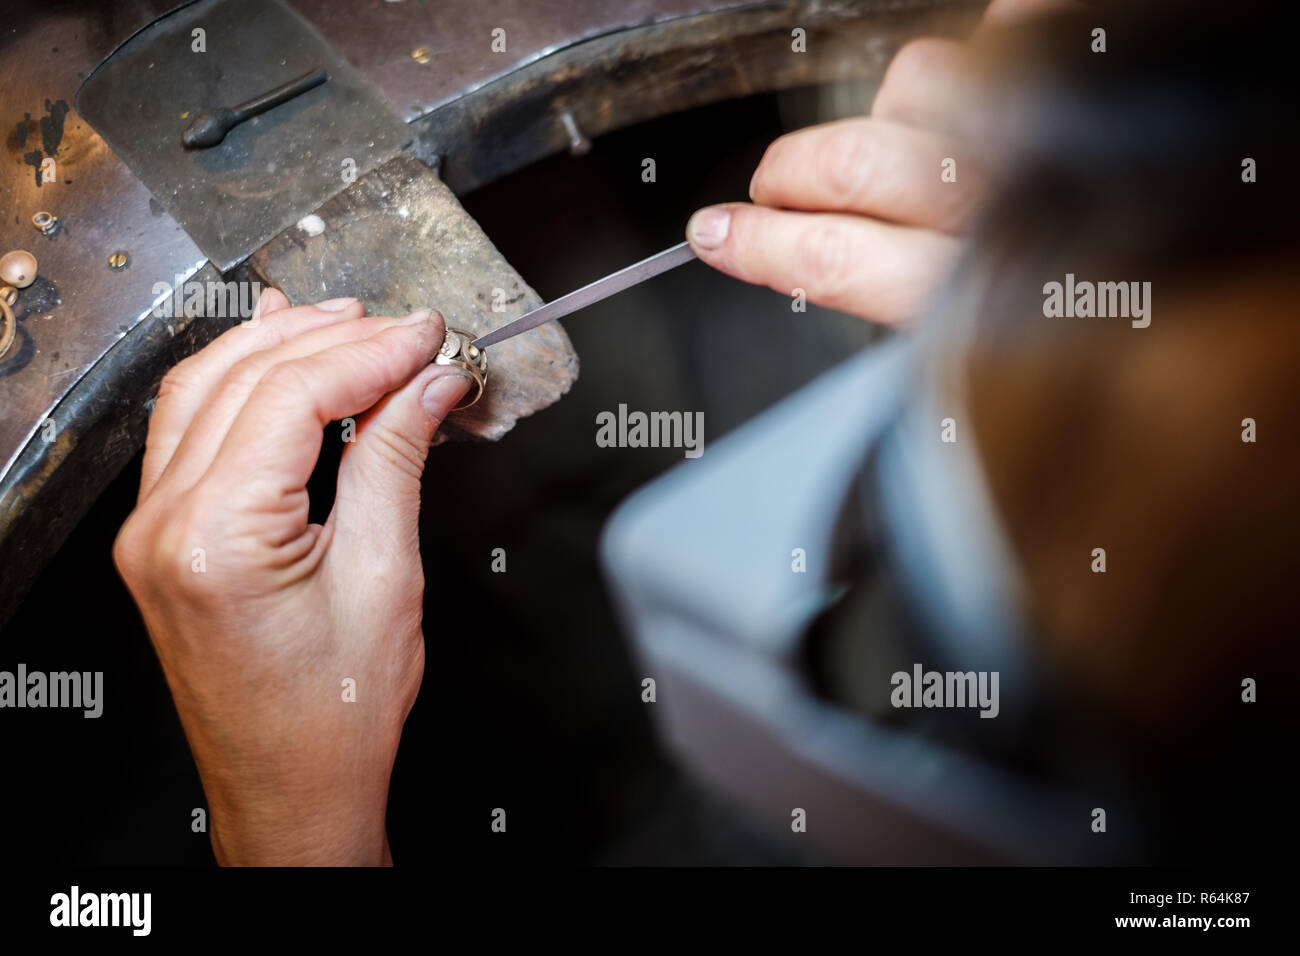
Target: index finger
{"points": [[272, 447], [187, 387], [874, 168], [1001, 12]]}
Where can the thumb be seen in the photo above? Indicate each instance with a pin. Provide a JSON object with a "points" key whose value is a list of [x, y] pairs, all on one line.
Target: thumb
{"points": [[378, 498]]}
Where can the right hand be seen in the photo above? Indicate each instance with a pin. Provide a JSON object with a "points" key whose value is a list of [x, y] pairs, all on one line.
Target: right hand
{"points": [[856, 212]]}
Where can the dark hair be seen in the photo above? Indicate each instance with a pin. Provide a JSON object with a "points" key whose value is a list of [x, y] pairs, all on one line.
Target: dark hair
{"points": [[1129, 165]]}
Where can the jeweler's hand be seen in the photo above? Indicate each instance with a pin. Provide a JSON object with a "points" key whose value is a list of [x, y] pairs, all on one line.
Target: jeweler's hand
{"points": [[864, 215], [293, 650]]}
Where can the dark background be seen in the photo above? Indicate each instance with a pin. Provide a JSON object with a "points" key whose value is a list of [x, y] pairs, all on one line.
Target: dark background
{"points": [[530, 699]]}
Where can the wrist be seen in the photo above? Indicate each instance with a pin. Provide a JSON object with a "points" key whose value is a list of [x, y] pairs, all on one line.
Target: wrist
{"points": [[283, 818], [301, 839]]}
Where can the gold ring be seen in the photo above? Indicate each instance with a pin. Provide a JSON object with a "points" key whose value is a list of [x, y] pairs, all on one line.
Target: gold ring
{"points": [[10, 327], [457, 350]]}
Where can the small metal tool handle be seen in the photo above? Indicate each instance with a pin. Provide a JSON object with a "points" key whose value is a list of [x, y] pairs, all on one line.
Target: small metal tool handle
{"points": [[210, 127], [260, 104]]}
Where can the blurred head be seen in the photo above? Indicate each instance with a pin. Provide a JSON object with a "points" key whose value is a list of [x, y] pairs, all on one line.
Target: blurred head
{"points": [[1168, 439]]}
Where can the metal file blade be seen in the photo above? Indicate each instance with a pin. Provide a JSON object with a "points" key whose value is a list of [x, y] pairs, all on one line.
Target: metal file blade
{"points": [[600, 289]]}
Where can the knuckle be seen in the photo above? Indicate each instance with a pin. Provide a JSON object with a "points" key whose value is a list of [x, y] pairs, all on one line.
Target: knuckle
{"points": [[776, 147], [771, 158], [827, 261], [284, 379], [741, 253], [906, 70], [963, 202], [918, 59], [369, 361], [246, 373], [373, 354], [372, 361], [181, 379], [844, 162], [127, 553], [176, 546], [154, 551], [398, 450]]}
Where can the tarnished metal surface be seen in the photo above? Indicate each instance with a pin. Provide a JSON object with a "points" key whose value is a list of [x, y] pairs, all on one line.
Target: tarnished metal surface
{"points": [[461, 52], [641, 74], [399, 240], [90, 353], [269, 171], [58, 44], [78, 307], [483, 131], [101, 422]]}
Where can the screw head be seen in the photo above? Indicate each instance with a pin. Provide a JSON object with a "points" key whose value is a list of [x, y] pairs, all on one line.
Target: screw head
{"points": [[421, 54], [119, 260], [18, 268]]}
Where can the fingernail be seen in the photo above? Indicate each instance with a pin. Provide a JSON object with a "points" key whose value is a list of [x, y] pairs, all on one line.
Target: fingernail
{"points": [[444, 392], [708, 227], [335, 305], [415, 318]]}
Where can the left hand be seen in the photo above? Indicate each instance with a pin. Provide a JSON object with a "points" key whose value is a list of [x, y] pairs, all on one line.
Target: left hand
{"points": [[260, 617]]}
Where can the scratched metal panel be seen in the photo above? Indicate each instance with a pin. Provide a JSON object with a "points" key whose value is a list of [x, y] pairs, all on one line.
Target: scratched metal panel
{"points": [[459, 38], [268, 172], [78, 307]]}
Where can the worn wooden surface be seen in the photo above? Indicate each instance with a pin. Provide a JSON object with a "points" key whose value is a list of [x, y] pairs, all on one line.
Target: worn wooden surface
{"points": [[398, 240]]}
